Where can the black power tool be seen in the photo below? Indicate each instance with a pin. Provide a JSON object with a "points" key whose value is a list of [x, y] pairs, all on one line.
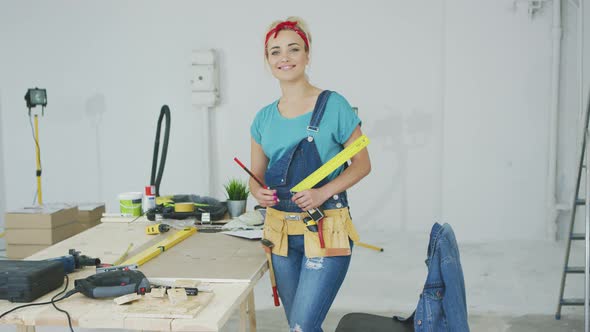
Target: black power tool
{"points": [[113, 283], [74, 261]]}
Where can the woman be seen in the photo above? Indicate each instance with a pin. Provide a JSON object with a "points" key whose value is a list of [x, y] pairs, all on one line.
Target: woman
{"points": [[291, 138]]}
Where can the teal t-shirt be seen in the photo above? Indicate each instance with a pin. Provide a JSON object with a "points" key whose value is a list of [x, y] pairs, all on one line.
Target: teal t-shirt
{"points": [[277, 134]]}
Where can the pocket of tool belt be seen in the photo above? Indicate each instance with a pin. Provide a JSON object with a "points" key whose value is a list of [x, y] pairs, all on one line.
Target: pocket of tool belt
{"points": [[337, 231], [274, 231]]}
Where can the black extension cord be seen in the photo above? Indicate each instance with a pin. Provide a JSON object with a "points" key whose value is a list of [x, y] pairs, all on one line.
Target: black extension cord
{"points": [[155, 181], [52, 302]]}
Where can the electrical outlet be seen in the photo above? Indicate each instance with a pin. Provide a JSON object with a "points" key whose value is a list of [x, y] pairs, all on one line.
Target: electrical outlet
{"points": [[203, 78]]}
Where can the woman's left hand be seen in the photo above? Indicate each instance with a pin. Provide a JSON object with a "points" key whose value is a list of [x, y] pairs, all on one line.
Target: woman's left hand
{"points": [[309, 199]]}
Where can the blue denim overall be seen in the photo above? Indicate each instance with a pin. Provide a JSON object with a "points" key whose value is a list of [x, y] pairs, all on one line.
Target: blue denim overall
{"points": [[307, 286], [299, 162]]}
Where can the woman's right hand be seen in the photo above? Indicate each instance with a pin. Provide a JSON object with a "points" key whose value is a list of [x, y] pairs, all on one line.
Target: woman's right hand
{"points": [[266, 197]]}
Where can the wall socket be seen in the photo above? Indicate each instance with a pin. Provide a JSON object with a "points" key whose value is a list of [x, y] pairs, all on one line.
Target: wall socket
{"points": [[204, 78]]}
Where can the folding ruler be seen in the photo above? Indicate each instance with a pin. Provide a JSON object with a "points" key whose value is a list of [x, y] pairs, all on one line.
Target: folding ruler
{"points": [[332, 164]]}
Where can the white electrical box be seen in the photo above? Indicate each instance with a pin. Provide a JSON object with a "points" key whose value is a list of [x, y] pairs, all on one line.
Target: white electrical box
{"points": [[204, 78]]}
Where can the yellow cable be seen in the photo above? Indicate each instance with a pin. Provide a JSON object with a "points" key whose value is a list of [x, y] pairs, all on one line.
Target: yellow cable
{"points": [[38, 153]]}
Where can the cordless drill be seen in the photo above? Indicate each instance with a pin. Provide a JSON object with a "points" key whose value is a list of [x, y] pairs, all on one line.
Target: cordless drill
{"points": [[74, 261]]}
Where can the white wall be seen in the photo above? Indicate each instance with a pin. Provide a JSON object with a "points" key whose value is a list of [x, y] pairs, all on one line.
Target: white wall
{"points": [[496, 114], [2, 186], [571, 110], [454, 96]]}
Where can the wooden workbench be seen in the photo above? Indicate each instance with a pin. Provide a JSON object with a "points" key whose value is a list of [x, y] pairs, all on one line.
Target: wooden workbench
{"points": [[232, 266]]}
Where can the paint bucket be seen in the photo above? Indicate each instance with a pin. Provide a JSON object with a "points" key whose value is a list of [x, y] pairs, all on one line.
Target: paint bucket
{"points": [[130, 204]]}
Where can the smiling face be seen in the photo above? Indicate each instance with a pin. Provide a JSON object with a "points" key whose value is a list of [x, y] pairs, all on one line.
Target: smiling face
{"points": [[286, 55]]}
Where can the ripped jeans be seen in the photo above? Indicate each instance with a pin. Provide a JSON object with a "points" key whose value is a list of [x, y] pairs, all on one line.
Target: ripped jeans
{"points": [[307, 286]]}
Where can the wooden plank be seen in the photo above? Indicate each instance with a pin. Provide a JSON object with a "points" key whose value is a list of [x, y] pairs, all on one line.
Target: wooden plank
{"points": [[201, 256], [234, 258], [127, 298], [252, 311], [152, 307], [225, 302], [243, 316], [104, 313], [105, 241], [165, 244]]}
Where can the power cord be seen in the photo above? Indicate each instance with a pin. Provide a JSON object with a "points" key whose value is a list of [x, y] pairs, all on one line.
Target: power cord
{"points": [[52, 302], [156, 179], [38, 148]]}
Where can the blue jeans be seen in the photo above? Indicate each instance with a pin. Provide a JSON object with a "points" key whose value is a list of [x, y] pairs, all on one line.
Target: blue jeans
{"points": [[307, 286]]}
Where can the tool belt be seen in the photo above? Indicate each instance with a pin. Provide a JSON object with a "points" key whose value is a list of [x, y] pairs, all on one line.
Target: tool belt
{"points": [[337, 230]]}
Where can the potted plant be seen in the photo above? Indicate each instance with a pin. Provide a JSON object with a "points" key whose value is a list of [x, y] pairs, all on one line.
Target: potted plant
{"points": [[237, 195]]}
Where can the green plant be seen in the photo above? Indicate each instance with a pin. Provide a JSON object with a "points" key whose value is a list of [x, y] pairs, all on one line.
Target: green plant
{"points": [[236, 190]]}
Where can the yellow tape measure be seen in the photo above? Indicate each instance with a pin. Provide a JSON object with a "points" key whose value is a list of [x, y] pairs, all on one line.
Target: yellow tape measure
{"points": [[332, 164]]}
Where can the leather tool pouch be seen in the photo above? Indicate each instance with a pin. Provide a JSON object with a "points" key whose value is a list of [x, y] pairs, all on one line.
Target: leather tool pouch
{"points": [[275, 230], [337, 229]]}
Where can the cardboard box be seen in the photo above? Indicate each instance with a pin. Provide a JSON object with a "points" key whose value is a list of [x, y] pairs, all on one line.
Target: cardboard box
{"points": [[90, 213], [46, 217], [41, 236], [20, 251], [44, 225]]}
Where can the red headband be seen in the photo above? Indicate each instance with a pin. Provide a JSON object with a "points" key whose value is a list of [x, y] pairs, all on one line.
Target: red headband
{"points": [[286, 25]]}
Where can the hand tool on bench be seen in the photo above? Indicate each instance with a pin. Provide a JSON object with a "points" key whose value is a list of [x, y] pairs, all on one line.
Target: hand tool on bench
{"points": [[157, 229], [73, 261], [268, 245], [113, 283]]}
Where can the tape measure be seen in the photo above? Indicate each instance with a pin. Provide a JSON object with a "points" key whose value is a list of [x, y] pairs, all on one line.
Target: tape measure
{"points": [[332, 164], [157, 229], [184, 207]]}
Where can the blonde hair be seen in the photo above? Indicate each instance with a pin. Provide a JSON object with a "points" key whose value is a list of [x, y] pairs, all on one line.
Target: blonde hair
{"points": [[301, 25]]}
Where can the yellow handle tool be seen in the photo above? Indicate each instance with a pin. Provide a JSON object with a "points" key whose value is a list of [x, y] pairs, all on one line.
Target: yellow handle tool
{"points": [[157, 229], [366, 245], [332, 164]]}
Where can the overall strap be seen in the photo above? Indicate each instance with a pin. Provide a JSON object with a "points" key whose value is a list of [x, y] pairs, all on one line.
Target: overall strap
{"points": [[318, 111]]}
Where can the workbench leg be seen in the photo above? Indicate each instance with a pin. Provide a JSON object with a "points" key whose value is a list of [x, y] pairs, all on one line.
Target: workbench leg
{"points": [[243, 315], [25, 328], [252, 311]]}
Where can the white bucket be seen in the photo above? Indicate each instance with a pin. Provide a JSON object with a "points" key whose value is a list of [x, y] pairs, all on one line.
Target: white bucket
{"points": [[130, 204]]}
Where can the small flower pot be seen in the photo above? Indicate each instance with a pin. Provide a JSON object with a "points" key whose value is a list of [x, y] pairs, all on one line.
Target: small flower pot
{"points": [[236, 208]]}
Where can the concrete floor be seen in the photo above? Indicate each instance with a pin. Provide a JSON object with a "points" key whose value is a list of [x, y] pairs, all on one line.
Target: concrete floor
{"points": [[272, 320], [511, 285]]}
